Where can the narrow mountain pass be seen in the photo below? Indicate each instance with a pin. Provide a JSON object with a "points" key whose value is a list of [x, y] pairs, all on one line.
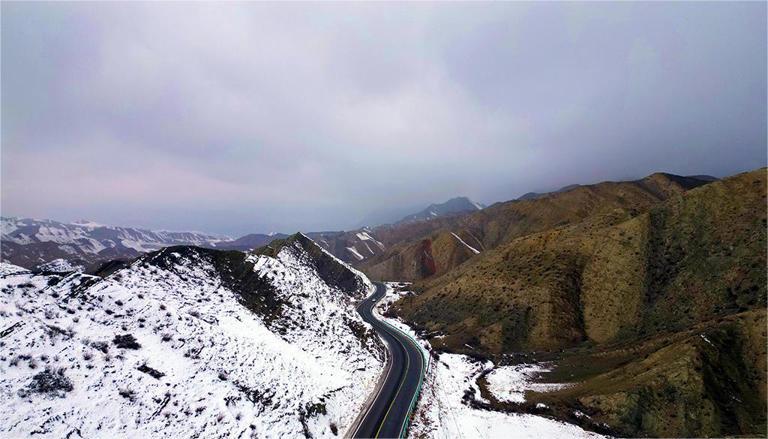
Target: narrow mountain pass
{"points": [[389, 413]]}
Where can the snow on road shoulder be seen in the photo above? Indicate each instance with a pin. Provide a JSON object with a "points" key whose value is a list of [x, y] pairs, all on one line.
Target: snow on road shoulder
{"points": [[450, 385], [394, 292]]}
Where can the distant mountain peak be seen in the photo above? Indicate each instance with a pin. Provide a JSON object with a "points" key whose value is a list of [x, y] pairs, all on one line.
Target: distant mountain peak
{"points": [[453, 206]]}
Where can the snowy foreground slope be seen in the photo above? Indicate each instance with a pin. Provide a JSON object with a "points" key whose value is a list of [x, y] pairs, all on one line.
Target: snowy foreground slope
{"points": [[186, 342]]}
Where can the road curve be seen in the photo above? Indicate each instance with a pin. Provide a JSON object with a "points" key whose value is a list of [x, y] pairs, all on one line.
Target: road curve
{"points": [[388, 414]]}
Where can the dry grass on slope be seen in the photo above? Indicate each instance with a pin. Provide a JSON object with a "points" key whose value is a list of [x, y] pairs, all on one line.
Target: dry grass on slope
{"points": [[612, 276], [709, 380], [504, 222], [528, 294]]}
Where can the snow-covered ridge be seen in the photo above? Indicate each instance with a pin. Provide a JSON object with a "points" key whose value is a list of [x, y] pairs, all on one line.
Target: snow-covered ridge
{"points": [[31, 242], [93, 237], [509, 383], [174, 345]]}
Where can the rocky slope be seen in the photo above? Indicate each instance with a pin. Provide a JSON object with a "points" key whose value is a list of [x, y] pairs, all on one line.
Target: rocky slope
{"points": [[187, 342], [630, 276]]}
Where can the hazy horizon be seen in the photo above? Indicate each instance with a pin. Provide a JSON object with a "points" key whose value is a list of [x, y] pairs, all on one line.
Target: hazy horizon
{"points": [[393, 213], [248, 118]]}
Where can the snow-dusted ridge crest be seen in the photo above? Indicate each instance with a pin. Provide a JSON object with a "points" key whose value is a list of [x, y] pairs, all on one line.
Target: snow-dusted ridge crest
{"points": [[332, 269], [184, 342], [369, 287]]}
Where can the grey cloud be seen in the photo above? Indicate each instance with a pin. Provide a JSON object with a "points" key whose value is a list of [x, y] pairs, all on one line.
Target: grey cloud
{"points": [[243, 117]]}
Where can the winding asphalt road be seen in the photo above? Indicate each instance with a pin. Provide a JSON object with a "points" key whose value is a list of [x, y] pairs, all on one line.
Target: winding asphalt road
{"points": [[388, 414]]}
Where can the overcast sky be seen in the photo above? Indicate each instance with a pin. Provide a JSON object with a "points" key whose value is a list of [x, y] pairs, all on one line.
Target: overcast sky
{"points": [[237, 118]]}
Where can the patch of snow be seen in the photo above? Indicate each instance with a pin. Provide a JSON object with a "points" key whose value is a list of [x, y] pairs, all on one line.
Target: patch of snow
{"points": [[7, 269], [443, 411], [20, 238], [364, 236], [580, 414], [509, 383], [355, 253], [139, 246], [368, 289], [472, 249], [8, 226], [60, 266]]}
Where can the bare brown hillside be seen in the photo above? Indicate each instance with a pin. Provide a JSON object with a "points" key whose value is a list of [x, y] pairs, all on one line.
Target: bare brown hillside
{"points": [[502, 222], [612, 275], [653, 311]]}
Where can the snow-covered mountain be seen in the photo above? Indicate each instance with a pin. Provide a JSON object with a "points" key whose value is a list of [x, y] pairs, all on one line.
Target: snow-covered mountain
{"points": [[28, 242], [49, 245], [187, 342]]}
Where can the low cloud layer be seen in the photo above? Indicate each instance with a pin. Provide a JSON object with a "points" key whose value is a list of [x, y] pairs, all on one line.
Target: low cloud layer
{"points": [[248, 117]]}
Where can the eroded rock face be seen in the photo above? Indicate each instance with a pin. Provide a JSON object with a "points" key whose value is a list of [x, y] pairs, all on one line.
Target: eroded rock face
{"points": [[426, 260]]}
